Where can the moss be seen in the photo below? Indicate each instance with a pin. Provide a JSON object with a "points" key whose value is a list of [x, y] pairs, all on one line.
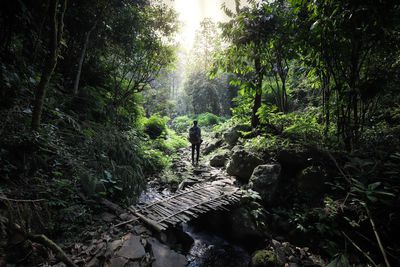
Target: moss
{"points": [[264, 258]]}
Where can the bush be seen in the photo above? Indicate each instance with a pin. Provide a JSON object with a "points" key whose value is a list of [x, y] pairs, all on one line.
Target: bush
{"points": [[207, 119], [155, 126], [181, 124]]}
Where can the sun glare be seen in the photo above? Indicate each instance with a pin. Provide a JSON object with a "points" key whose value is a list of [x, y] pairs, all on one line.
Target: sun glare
{"points": [[192, 12]]}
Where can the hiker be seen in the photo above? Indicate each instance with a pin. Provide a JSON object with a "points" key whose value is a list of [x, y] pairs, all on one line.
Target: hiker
{"points": [[195, 139]]}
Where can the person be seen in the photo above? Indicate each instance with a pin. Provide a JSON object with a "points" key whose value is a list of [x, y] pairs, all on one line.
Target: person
{"points": [[195, 139]]}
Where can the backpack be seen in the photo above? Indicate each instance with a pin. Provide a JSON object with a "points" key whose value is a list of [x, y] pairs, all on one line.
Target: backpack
{"points": [[194, 135]]}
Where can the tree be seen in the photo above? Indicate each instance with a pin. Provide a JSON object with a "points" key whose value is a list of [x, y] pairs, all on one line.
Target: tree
{"points": [[205, 94], [138, 49], [56, 16], [353, 46]]}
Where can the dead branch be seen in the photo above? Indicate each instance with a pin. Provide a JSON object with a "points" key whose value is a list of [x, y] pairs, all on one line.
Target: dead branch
{"points": [[47, 242]]}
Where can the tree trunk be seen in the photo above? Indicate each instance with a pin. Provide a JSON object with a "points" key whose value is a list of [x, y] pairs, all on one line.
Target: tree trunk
{"points": [[255, 120], [51, 61], [78, 74]]}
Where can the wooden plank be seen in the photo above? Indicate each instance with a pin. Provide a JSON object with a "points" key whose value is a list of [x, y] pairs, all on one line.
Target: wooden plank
{"points": [[177, 195]]}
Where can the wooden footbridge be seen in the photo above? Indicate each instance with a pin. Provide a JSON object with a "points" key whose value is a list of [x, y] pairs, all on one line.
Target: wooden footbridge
{"points": [[187, 204]]}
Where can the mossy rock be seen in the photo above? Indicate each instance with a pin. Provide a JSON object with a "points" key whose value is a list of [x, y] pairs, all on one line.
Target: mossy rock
{"points": [[263, 258]]}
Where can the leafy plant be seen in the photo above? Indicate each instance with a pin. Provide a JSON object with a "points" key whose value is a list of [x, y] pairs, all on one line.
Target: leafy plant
{"points": [[155, 126]]}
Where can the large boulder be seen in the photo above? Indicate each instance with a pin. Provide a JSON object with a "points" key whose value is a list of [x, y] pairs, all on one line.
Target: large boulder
{"points": [[210, 147], [164, 256], [263, 258], [232, 135], [264, 180], [293, 159], [242, 164], [243, 227], [218, 161], [300, 158]]}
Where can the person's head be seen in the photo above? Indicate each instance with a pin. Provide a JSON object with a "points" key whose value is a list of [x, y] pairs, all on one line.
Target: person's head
{"points": [[195, 122]]}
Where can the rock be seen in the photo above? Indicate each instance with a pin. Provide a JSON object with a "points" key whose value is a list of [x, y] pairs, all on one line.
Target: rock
{"points": [[293, 159], [311, 182], [132, 249], [242, 165], [243, 227], [212, 146], [199, 171], [263, 258], [264, 180], [118, 261], [232, 135], [126, 216], [94, 262], [140, 229], [187, 182], [108, 217], [218, 161], [164, 256]]}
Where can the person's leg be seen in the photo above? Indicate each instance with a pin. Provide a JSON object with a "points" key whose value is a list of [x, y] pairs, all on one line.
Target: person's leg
{"points": [[198, 153], [193, 145]]}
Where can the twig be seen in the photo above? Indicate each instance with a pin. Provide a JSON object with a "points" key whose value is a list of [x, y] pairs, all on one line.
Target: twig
{"points": [[21, 200], [126, 222], [338, 167], [377, 236], [359, 249], [370, 241]]}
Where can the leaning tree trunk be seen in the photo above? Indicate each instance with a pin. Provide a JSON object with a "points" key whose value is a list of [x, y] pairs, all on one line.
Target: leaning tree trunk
{"points": [[57, 25], [85, 45], [255, 120]]}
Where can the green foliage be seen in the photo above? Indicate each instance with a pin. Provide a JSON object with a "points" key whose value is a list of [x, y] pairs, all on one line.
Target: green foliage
{"points": [[340, 261], [302, 126], [207, 119], [250, 201], [155, 126], [170, 142], [181, 124]]}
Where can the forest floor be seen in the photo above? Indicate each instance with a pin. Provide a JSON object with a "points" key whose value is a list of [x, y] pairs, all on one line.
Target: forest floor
{"points": [[115, 237], [121, 239]]}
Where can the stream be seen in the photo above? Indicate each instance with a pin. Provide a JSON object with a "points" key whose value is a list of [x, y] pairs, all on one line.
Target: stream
{"points": [[208, 249]]}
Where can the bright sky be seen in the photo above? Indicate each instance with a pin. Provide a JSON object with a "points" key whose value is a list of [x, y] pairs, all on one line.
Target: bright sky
{"points": [[192, 12]]}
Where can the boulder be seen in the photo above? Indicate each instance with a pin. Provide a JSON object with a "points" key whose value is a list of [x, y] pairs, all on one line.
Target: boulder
{"points": [[132, 249], [264, 180], [232, 135], [263, 258], [164, 256], [212, 146], [293, 159], [242, 165], [218, 161], [243, 227], [187, 182]]}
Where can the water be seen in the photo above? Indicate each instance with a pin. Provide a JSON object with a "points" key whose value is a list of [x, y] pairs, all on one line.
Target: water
{"points": [[209, 249]]}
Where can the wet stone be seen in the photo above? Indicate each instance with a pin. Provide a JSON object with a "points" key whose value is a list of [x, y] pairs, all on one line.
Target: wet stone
{"points": [[118, 261], [164, 256], [132, 249]]}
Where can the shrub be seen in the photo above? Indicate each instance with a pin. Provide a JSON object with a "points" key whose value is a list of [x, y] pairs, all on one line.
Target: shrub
{"points": [[170, 143], [181, 124], [155, 126], [207, 119]]}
